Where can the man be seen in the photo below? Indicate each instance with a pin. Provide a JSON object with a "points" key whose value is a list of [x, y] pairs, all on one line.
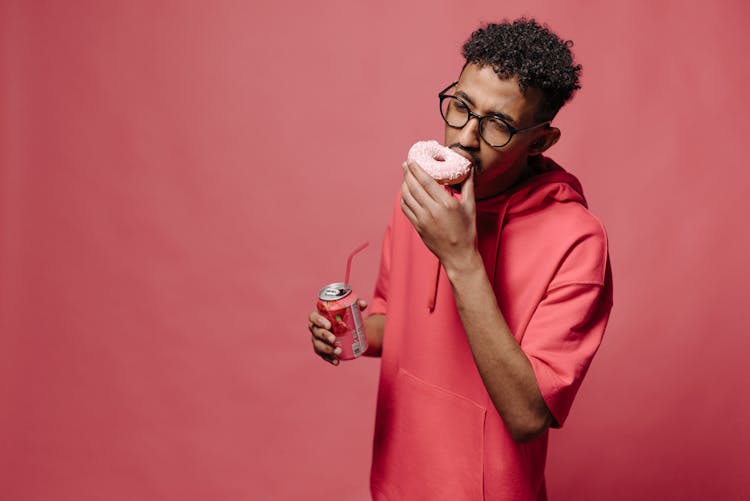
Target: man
{"points": [[496, 298]]}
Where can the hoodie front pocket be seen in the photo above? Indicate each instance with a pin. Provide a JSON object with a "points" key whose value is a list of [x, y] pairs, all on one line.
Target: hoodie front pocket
{"points": [[434, 447]]}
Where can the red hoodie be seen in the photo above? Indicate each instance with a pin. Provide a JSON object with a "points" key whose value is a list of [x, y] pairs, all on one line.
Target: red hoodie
{"points": [[437, 433]]}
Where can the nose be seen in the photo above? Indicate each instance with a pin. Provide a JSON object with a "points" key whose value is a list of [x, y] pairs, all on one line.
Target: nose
{"points": [[469, 136]]}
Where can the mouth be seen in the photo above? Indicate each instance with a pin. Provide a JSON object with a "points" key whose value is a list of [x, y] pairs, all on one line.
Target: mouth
{"points": [[468, 156]]}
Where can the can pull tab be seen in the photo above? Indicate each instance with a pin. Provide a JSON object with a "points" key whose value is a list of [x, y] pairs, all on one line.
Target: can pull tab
{"points": [[334, 291]]}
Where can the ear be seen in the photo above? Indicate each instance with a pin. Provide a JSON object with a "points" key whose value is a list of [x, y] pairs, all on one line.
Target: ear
{"points": [[544, 141]]}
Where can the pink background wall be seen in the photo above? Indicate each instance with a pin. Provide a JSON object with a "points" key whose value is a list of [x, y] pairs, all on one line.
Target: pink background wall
{"points": [[173, 181]]}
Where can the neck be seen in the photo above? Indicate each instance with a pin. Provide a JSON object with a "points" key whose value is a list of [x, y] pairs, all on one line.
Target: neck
{"points": [[507, 180]]}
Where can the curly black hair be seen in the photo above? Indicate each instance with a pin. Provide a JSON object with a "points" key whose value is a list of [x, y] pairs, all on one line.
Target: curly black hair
{"points": [[531, 53]]}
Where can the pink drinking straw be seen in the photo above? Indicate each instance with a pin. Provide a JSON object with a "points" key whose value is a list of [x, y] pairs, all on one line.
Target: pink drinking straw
{"points": [[349, 261]]}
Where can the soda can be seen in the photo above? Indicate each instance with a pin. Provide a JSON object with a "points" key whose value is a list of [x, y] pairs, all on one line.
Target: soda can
{"points": [[338, 304]]}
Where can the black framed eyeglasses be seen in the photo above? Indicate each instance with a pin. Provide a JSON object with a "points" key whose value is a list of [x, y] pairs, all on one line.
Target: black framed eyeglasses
{"points": [[493, 130]]}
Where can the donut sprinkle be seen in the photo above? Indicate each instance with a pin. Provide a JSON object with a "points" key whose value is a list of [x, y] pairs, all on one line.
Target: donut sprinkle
{"points": [[440, 162]]}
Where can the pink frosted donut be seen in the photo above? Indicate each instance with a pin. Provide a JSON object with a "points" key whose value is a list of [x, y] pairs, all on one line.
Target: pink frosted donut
{"points": [[443, 164]]}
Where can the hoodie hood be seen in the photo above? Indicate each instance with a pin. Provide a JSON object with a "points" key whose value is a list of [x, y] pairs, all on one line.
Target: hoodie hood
{"points": [[550, 184]]}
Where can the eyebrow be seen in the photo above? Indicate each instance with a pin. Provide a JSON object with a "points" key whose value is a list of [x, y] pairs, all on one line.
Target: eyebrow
{"points": [[463, 95]]}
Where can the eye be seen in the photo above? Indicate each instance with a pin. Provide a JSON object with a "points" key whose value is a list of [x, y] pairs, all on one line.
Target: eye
{"points": [[495, 131], [496, 125], [460, 105]]}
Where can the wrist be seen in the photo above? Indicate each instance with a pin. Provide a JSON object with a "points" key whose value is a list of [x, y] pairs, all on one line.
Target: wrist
{"points": [[469, 266]]}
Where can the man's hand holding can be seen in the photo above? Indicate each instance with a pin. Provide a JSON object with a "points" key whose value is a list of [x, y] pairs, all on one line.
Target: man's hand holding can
{"points": [[323, 338]]}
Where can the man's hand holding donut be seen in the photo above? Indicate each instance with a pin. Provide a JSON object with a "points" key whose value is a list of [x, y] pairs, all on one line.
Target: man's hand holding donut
{"points": [[446, 225]]}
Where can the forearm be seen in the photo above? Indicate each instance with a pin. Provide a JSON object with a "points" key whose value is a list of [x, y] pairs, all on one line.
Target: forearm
{"points": [[374, 328], [504, 368], [447, 226]]}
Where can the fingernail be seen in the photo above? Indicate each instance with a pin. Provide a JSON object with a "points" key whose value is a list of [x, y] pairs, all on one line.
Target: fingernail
{"points": [[335, 362], [337, 351], [332, 339]]}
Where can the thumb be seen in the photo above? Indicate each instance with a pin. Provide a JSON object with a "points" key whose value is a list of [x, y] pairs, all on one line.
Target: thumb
{"points": [[467, 192]]}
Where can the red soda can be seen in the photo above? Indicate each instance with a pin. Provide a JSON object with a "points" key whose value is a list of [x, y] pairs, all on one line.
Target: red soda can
{"points": [[338, 304]]}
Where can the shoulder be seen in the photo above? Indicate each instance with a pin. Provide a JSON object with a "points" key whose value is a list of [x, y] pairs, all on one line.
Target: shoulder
{"points": [[582, 244], [568, 236], [570, 220]]}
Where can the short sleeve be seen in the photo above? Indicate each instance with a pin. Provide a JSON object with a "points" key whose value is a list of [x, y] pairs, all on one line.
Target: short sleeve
{"points": [[562, 338]]}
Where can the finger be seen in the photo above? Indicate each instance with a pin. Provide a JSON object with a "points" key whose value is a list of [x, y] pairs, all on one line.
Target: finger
{"points": [[407, 197], [408, 213], [432, 189], [329, 358], [467, 193], [322, 348], [319, 320], [416, 187], [323, 335], [362, 304]]}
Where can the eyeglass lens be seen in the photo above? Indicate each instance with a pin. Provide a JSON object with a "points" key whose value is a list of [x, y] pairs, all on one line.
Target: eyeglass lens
{"points": [[456, 114]]}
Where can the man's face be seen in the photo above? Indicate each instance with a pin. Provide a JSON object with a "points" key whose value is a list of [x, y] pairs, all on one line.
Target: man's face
{"points": [[486, 94]]}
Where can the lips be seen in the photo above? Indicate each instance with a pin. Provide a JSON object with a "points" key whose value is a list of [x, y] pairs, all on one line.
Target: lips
{"points": [[474, 161]]}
